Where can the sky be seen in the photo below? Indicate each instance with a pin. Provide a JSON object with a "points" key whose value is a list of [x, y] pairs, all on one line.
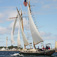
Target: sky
{"points": [[44, 13]]}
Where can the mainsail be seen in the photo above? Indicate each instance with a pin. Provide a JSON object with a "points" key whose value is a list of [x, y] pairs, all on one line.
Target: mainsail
{"points": [[23, 34], [35, 34]]}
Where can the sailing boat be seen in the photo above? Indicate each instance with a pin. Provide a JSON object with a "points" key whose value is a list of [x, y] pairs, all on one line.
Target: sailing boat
{"points": [[36, 38]]}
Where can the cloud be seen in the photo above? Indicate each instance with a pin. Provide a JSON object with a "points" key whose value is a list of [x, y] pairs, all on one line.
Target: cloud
{"points": [[33, 1], [25, 24], [10, 13], [4, 17], [46, 6], [11, 24], [48, 36], [6, 14], [56, 7], [4, 30], [1, 15], [54, 0], [45, 34], [7, 30], [0, 1]]}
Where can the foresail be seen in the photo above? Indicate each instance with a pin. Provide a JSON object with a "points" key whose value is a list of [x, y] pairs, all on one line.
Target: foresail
{"points": [[18, 39], [35, 34], [23, 34]]}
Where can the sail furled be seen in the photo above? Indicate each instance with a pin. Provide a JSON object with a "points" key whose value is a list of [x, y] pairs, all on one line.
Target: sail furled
{"points": [[23, 34], [18, 40], [34, 31]]}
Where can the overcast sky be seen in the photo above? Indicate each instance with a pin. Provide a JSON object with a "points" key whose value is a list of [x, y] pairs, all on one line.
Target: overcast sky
{"points": [[44, 13]]}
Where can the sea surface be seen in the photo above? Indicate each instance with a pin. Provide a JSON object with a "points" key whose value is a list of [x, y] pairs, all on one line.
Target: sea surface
{"points": [[10, 54]]}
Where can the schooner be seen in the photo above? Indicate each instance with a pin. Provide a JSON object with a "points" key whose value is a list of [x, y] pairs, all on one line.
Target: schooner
{"points": [[35, 36]]}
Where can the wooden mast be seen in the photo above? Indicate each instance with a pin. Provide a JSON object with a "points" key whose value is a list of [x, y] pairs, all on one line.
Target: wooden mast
{"points": [[30, 12], [22, 26], [22, 21]]}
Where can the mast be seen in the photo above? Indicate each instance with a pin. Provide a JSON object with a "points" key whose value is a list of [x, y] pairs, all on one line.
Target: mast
{"points": [[22, 20], [34, 31], [6, 42]]}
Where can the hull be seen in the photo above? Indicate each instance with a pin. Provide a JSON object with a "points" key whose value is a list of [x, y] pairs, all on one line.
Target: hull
{"points": [[46, 52]]}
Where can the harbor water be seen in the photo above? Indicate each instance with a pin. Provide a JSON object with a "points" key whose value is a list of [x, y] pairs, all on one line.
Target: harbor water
{"points": [[10, 54]]}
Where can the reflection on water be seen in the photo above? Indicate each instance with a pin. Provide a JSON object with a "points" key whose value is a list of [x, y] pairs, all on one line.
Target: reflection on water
{"points": [[8, 54]]}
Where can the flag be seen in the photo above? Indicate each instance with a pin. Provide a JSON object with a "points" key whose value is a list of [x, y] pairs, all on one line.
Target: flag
{"points": [[25, 2]]}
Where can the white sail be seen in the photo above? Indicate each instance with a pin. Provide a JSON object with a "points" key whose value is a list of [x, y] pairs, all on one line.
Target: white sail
{"points": [[12, 39], [12, 32], [35, 34], [14, 26], [23, 34], [18, 39]]}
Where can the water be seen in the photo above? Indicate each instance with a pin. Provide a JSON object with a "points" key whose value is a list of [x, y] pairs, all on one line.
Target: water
{"points": [[10, 53]]}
